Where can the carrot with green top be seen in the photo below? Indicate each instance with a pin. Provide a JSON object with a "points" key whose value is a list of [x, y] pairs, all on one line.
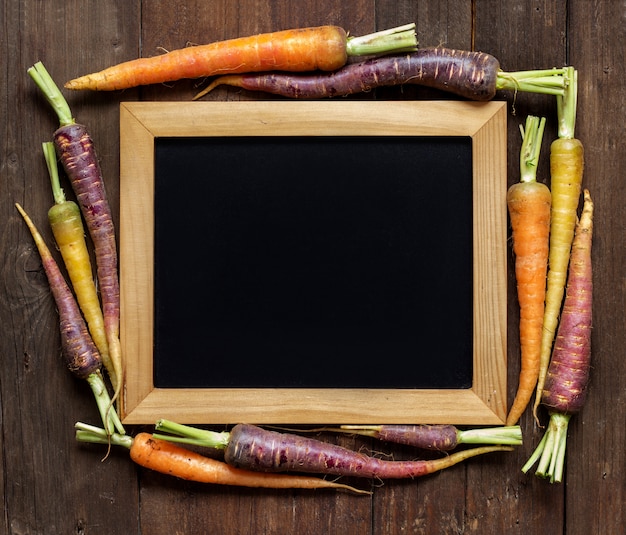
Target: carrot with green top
{"points": [[69, 233], [566, 176], [79, 351], [323, 48], [469, 74], [76, 150], [529, 203]]}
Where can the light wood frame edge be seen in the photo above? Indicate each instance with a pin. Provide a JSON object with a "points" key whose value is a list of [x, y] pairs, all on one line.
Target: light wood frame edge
{"points": [[140, 122]]}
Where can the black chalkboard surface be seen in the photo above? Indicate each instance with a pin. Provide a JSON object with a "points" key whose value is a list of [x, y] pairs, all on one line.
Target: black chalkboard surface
{"points": [[313, 262]]}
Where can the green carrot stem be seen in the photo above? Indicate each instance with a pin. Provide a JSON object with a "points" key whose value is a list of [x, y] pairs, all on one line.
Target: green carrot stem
{"points": [[544, 81], [108, 414], [97, 435], [550, 451], [399, 39], [53, 170], [532, 134], [510, 434], [566, 106], [191, 435], [51, 91]]}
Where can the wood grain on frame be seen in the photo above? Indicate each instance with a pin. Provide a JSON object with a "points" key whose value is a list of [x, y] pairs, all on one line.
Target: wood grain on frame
{"points": [[485, 123]]}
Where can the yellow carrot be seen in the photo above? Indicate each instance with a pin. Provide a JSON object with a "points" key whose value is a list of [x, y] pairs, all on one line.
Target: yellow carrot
{"points": [[528, 202], [566, 174]]}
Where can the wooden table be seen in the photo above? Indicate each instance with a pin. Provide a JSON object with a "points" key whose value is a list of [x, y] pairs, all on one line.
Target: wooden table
{"points": [[52, 484]]}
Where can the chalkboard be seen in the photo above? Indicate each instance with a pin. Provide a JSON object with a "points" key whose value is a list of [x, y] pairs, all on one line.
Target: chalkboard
{"points": [[296, 266], [313, 262]]}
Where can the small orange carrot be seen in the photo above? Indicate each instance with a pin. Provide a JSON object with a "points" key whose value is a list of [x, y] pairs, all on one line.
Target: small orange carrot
{"points": [[529, 203], [174, 460], [566, 177], [323, 48]]}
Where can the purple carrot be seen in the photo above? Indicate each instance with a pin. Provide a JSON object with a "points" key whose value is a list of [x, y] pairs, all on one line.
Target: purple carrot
{"points": [[438, 437], [252, 448], [79, 351], [472, 75]]}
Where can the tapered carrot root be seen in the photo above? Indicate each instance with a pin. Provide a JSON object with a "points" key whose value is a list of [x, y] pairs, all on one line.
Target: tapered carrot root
{"points": [[473, 75], [173, 460], [566, 176], [323, 48], [529, 203]]}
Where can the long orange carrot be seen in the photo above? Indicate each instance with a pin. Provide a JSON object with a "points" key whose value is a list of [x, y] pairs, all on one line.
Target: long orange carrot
{"points": [[566, 176], [529, 203], [323, 48], [174, 460]]}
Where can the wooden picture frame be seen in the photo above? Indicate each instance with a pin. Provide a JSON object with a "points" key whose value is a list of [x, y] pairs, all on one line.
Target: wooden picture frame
{"points": [[485, 123]]}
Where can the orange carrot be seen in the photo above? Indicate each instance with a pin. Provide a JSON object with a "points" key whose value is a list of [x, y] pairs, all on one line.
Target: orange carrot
{"points": [[323, 48], [529, 203], [566, 176], [174, 460]]}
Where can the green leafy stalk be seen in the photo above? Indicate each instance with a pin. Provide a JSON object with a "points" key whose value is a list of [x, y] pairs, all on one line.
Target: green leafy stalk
{"points": [[543, 81], [550, 452], [97, 435], [396, 40], [532, 135], [566, 106], [510, 434], [53, 170], [108, 414], [186, 434], [51, 91]]}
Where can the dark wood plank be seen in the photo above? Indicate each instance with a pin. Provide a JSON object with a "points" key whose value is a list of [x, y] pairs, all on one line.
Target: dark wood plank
{"points": [[597, 457], [51, 484]]}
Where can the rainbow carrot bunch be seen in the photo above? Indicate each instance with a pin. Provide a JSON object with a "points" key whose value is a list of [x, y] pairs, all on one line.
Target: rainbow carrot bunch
{"points": [[325, 48], [75, 149], [565, 388], [529, 204]]}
